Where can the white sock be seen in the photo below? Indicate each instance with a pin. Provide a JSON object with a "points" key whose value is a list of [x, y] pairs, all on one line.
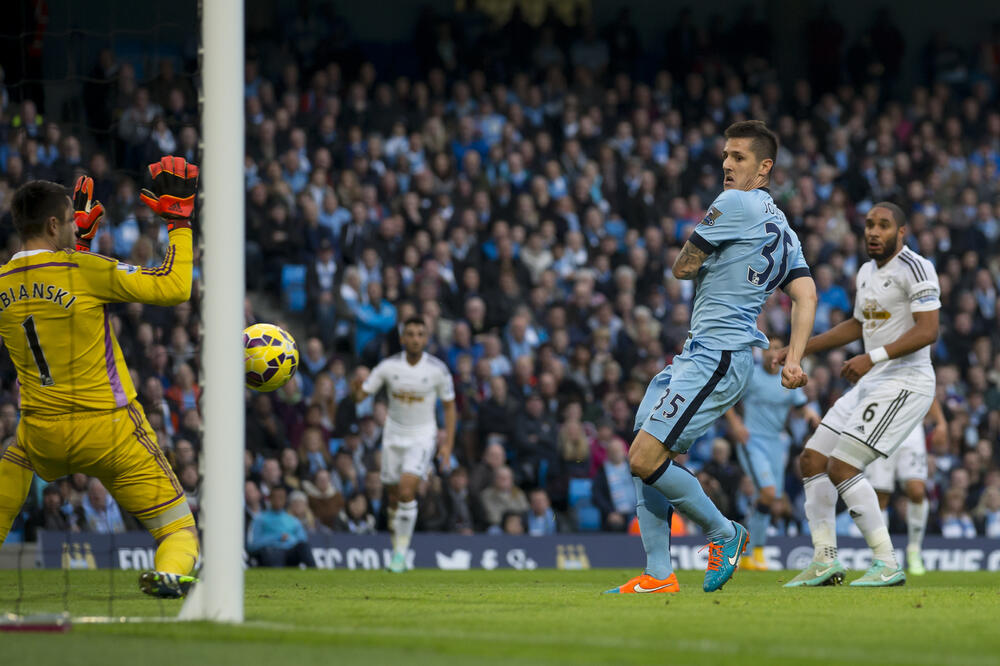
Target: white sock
{"points": [[862, 503], [821, 504], [916, 524], [402, 525], [885, 515]]}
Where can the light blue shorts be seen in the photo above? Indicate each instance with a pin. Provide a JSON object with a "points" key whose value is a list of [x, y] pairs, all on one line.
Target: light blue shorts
{"points": [[692, 392], [764, 460]]}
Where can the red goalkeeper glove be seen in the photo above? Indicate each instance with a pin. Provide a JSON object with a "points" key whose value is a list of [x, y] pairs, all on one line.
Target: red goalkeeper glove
{"points": [[175, 184], [87, 212]]}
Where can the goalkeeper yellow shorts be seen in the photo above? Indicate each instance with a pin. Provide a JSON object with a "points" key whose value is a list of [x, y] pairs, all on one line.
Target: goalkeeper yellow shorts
{"points": [[118, 446]]}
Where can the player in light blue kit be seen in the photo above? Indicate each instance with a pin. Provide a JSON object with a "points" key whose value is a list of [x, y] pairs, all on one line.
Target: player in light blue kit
{"points": [[762, 444], [741, 252]]}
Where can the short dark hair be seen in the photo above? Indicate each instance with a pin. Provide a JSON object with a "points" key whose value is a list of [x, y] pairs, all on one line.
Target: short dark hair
{"points": [[34, 203], [763, 142], [414, 320], [898, 216]]}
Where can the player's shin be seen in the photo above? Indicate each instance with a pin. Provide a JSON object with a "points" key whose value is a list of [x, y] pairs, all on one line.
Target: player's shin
{"points": [[178, 548], [684, 491], [653, 513], [820, 506], [862, 503], [760, 516], [391, 524], [916, 524], [403, 524]]}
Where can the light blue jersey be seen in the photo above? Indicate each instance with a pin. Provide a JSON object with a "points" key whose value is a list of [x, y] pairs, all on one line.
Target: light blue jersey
{"points": [[766, 404], [751, 252]]}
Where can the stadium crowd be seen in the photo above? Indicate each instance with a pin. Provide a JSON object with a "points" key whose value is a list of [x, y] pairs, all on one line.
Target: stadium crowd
{"points": [[528, 204]]}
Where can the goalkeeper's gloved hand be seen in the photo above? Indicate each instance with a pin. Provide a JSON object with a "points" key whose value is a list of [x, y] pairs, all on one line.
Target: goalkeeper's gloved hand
{"points": [[86, 212], [175, 184]]}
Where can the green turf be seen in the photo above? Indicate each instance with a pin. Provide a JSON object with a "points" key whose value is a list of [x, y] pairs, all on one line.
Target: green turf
{"points": [[348, 617]]}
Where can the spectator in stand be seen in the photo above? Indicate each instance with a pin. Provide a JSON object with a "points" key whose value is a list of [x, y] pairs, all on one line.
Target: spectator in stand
{"points": [[540, 518], [265, 434], [372, 321], [54, 514], [356, 517], [325, 501], [502, 496], [956, 523], [100, 511], [614, 492], [298, 508], [459, 503], [277, 538], [536, 448]]}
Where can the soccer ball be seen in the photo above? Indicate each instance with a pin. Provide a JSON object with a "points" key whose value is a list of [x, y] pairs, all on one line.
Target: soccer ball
{"points": [[270, 357]]}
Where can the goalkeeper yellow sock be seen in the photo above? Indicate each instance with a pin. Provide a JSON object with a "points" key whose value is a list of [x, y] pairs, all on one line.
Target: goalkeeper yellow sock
{"points": [[178, 553]]}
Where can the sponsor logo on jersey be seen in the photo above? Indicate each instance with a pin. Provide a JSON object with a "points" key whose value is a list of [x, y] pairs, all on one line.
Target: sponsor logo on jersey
{"points": [[875, 315], [407, 397], [713, 214]]}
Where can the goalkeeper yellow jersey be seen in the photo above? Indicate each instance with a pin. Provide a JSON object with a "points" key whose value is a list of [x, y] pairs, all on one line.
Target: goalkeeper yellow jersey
{"points": [[55, 322]]}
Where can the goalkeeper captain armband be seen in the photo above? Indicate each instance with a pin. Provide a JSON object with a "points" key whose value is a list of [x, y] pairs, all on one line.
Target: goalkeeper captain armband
{"points": [[175, 184]]}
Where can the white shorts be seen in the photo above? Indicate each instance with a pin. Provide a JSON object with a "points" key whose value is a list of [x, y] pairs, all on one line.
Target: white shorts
{"points": [[402, 454], [907, 463], [870, 421]]}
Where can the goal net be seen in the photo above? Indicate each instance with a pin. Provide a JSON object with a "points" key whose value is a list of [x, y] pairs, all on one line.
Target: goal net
{"points": [[104, 94]]}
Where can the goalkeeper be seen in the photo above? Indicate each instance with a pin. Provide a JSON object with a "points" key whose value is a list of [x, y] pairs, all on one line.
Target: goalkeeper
{"points": [[79, 411]]}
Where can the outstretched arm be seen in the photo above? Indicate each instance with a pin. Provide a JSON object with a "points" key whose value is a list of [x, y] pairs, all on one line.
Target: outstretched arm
{"points": [[737, 428], [843, 333], [802, 291], [923, 332], [809, 414]]}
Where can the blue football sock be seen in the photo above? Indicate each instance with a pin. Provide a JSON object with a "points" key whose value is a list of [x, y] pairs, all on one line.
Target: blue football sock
{"points": [[683, 490], [653, 512], [760, 516]]}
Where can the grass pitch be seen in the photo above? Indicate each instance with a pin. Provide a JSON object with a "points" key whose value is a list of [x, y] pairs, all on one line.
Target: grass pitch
{"points": [[521, 617]]}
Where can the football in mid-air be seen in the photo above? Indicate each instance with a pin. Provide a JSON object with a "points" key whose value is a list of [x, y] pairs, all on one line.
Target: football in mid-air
{"points": [[270, 357]]}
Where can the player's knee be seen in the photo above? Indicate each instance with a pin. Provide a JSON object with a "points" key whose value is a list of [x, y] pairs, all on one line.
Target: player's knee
{"points": [[646, 455], [641, 466], [915, 491], [840, 471], [812, 462]]}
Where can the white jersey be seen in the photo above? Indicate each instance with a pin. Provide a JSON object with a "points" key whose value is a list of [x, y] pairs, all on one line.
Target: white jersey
{"points": [[885, 302], [413, 391]]}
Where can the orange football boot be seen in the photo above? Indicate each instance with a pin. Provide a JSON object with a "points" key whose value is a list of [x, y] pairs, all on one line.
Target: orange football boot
{"points": [[646, 584]]}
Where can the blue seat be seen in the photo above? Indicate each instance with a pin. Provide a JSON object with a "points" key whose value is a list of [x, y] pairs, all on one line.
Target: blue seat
{"points": [[580, 490], [588, 518], [295, 299], [293, 275], [293, 287]]}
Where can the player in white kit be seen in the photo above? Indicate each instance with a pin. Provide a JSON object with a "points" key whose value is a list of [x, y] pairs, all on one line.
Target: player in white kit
{"points": [[908, 466], [896, 314], [414, 381]]}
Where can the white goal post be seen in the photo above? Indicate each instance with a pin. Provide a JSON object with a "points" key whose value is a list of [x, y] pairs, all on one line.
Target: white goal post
{"points": [[219, 597]]}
